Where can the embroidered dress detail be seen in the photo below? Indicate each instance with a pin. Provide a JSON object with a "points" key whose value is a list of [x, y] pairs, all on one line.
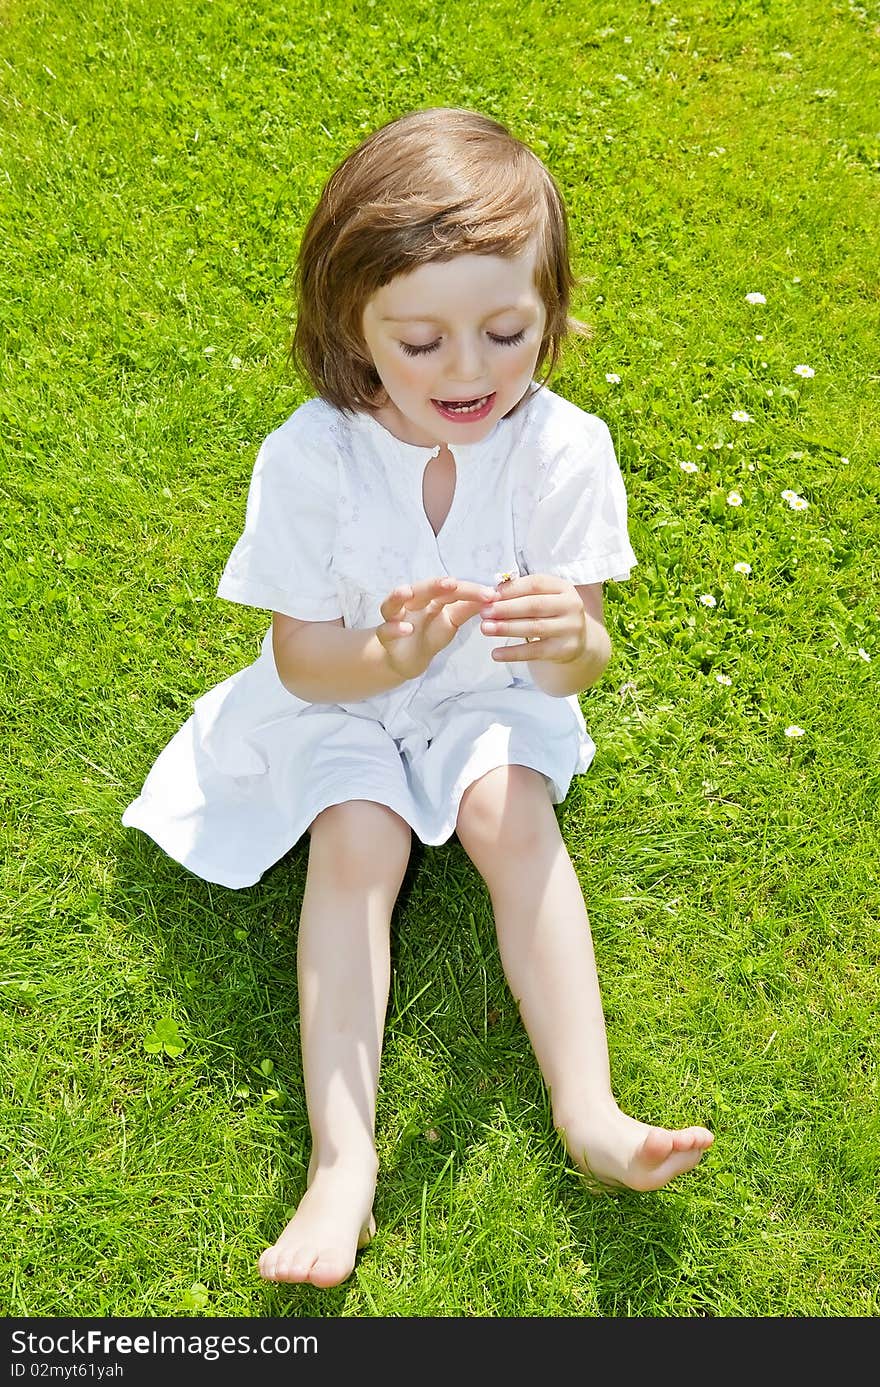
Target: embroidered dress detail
{"points": [[335, 520]]}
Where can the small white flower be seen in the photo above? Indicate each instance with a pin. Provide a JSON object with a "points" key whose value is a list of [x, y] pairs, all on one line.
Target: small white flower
{"points": [[723, 679], [208, 350], [796, 279], [799, 503], [755, 298], [742, 567], [729, 445], [788, 495], [235, 363], [689, 467], [805, 371], [699, 447], [845, 461], [708, 600], [794, 731], [739, 416], [612, 378], [759, 337], [863, 654], [734, 498]]}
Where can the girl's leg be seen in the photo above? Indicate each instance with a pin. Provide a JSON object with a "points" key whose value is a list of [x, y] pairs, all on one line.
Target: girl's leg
{"points": [[508, 828], [357, 860]]}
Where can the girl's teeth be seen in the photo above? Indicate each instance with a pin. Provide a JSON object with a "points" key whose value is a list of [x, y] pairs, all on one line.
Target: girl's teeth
{"points": [[465, 409]]}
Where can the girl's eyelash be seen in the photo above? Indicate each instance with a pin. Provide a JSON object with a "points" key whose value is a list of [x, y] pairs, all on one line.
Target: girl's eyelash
{"points": [[432, 346]]}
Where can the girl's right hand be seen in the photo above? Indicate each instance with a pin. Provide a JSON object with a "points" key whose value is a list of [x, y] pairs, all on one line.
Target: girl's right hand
{"points": [[420, 620]]}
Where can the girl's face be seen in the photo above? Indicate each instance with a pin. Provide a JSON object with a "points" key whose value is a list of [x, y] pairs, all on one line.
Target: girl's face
{"points": [[457, 330]]}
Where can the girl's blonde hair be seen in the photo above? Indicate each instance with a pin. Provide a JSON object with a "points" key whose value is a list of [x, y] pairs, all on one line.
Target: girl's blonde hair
{"points": [[425, 187]]}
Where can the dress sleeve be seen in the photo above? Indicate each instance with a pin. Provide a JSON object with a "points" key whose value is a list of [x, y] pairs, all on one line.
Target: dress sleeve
{"points": [[578, 527], [283, 559]]}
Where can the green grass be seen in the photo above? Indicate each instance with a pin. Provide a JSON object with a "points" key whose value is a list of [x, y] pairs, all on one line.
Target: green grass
{"points": [[158, 165]]}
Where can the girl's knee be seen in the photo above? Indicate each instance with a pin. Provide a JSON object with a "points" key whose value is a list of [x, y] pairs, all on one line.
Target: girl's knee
{"points": [[365, 841], [507, 812]]}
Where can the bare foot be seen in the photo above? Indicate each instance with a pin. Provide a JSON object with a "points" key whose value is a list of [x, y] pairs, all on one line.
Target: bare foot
{"points": [[333, 1220], [617, 1152]]}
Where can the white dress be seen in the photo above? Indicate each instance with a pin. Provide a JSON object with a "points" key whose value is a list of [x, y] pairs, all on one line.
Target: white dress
{"points": [[335, 520]]}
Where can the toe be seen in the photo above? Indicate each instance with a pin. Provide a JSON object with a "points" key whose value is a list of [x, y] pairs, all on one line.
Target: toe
{"points": [[694, 1138], [296, 1266], [330, 1268]]}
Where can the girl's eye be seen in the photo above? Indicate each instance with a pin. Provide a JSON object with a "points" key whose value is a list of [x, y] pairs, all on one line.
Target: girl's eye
{"points": [[432, 346]]}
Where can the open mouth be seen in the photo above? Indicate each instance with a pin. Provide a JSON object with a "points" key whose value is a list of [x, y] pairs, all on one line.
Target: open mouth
{"points": [[465, 409]]}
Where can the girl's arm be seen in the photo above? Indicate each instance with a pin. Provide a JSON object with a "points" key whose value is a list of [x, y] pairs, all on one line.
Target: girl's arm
{"points": [[571, 676], [323, 662], [567, 622]]}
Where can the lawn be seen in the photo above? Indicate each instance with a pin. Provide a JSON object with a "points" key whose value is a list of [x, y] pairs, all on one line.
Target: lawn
{"points": [[720, 165]]}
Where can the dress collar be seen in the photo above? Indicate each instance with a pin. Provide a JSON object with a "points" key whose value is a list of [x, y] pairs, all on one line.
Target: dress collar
{"points": [[417, 452]]}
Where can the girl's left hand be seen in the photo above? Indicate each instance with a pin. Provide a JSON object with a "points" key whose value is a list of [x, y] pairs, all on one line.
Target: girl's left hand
{"points": [[546, 611]]}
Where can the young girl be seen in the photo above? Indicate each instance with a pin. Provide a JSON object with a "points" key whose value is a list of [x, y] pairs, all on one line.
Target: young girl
{"points": [[431, 533]]}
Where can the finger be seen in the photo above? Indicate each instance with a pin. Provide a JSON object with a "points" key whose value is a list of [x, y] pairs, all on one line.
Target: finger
{"points": [[393, 630], [542, 630], [529, 650], [394, 605], [461, 612], [474, 593], [528, 583], [441, 591], [508, 608], [426, 591]]}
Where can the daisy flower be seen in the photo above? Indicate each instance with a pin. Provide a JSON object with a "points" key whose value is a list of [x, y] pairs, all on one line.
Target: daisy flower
{"points": [[739, 416], [755, 298], [805, 371], [688, 467], [612, 378], [863, 654], [799, 503], [794, 731], [734, 498], [742, 567], [723, 679], [708, 600]]}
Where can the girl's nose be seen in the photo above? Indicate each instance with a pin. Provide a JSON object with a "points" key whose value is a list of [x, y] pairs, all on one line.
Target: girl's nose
{"points": [[469, 361]]}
